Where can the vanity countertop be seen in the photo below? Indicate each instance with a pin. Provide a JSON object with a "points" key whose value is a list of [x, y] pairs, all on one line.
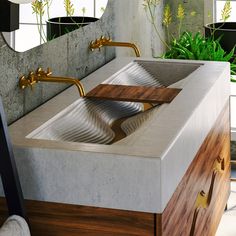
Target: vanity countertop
{"points": [[140, 172]]}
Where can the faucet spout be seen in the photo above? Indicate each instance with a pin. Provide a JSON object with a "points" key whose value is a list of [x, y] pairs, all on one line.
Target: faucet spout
{"points": [[103, 41], [42, 76]]}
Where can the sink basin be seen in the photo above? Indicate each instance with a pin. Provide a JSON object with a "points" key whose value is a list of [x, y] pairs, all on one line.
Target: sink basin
{"points": [[87, 121], [62, 150], [105, 122], [153, 73]]}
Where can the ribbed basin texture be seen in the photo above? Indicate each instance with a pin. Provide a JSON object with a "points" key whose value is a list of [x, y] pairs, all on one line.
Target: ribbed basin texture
{"points": [[90, 121], [87, 121]]}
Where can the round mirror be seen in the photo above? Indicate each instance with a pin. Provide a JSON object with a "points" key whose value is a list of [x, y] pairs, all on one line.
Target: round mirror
{"points": [[45, 20]]}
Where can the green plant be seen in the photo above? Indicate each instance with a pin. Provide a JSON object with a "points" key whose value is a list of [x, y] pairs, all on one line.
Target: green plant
{"points": [[225, 15], [69, 7], [167, 20], [180, 16], [226, 12], [150, 7], [38, 7], [190, 46], [197, 47], [41, 7]]}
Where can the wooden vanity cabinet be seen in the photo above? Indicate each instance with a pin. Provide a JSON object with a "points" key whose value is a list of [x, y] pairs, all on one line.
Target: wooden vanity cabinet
{"points": [[195, 208], [200, 199]]}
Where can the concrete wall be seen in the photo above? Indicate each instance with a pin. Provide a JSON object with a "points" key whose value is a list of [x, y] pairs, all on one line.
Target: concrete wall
{"points": [[131, 25], [190, 23]]}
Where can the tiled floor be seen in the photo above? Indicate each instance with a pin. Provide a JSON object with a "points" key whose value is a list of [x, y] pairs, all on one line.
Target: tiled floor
{"points": [[227, 226]]}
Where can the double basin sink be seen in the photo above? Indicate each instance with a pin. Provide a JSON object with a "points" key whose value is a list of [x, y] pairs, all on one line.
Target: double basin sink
{"points": [[106, 122], [120, 155]]}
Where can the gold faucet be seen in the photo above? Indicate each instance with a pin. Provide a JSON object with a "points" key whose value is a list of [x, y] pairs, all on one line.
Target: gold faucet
{"points": [[46, 76], [103, 41]]}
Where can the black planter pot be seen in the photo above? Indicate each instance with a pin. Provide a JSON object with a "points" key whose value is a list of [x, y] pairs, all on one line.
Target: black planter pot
{"points": [[225, 30], [58, 26]]}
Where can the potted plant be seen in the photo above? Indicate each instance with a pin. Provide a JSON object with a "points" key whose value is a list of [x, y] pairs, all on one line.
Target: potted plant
{"points": [[191, 46], [62, 25], [196, 47], [226, 31], [58, 26]]}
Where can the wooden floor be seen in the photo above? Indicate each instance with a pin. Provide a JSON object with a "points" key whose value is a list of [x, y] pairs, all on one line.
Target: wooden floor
{"points": [[52, 219]]}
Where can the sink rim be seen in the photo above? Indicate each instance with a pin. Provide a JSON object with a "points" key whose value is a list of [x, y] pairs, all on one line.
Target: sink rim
{"points": [[45, 112]]}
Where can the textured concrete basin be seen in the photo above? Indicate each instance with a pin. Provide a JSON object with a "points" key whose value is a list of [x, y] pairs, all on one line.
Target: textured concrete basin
{"points": [[87, 121], [61, 147], [92, 121]]}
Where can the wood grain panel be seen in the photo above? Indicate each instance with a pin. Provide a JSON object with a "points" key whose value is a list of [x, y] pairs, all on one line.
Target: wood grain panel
{"points": [[53, 219], [178, 216], [142, 94], [213, 214]]}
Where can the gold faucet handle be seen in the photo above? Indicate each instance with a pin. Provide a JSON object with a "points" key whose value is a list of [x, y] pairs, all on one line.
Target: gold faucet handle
{"points": [[104, 39], [95, 44], [41, 73], [49, 71], [23, 82], [107, 41], [26, 82], [99, 43], [39, 70], [31, 79]]}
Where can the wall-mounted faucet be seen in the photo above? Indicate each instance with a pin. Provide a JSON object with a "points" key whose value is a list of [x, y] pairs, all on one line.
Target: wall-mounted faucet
{"points": [[103, 41], [46, 76]]}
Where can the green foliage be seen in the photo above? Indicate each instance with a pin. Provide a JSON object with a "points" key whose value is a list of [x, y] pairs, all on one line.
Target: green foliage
{"points": [[197, 47], [38, 7], [150, 6], [167, 17], [226, 12], [150, 3], [69, 7]]}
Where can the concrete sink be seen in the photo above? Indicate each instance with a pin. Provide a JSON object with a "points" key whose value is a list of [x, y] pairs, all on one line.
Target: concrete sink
{"points": [[93, 121], [62, 149]]}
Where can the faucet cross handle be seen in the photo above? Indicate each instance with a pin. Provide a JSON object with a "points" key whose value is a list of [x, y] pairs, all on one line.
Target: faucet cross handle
{"points": [[41, 73], [99, 43], [23, 82], [27, 81], [49, 71], [31, 79], [104, 39]]}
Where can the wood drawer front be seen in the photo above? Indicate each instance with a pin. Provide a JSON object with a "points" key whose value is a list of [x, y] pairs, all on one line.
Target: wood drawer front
{"points": [[221, 189], [56, 219], [178, 217]]}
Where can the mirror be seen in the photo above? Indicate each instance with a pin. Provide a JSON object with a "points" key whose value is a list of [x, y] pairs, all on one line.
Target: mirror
{"points": [[45, 20]]}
